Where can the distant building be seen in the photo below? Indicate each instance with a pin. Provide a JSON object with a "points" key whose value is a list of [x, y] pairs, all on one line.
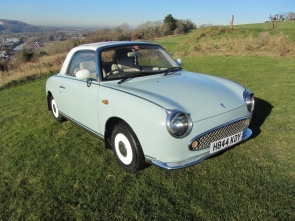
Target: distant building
{"points": [[16, 40], [3, 54], [36, 45]]}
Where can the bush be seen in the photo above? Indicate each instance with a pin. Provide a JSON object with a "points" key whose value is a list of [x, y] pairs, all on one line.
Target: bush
{"points": [[43, 53], [3, 64], [27, 55]]}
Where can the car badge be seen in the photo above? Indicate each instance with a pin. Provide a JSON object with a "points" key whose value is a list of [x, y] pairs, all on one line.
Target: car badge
{"points": [[222, 105]]}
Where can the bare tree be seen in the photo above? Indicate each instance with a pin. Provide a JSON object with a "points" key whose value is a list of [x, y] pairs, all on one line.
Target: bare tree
{"points": [[151, 29], [124, 27], [291, 16], [122, 33]]}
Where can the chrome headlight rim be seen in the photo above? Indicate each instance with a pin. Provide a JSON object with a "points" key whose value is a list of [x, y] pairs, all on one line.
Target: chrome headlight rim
{"points": [[249, 100], [172, 115]]}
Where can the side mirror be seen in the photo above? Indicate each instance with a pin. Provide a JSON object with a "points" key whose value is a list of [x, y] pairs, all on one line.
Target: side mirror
{"points": [[179, 61], [83, 74]]}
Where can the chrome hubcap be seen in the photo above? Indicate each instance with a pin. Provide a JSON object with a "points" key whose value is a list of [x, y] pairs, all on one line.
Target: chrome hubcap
{"points": [[122, 149], [54, 108]]}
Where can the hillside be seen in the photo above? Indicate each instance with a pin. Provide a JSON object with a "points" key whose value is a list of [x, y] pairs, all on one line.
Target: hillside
{"points": [[212, 41], [221, 40], [10, 26], [269, 25]]}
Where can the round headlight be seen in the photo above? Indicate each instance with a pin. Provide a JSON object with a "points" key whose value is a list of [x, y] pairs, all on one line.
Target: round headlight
{"points": [[178, 124], [249, 100]]}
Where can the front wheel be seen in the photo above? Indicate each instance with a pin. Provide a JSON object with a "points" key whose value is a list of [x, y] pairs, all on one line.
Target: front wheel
{"points": [[54, 110], [127, 148]]}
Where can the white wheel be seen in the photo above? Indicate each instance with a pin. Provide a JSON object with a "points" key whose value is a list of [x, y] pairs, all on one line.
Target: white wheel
{"points": [[127, 148], [54, 110], [123, 149]]}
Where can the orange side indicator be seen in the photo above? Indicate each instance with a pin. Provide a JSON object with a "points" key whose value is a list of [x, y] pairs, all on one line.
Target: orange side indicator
{"points": [[105, 102], [195, 144]]}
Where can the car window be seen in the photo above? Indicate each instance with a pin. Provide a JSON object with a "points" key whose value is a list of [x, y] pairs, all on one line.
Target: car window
{"points": [[83, 60], [136, 60], [151, 57], [107, 59], [107, 56]]}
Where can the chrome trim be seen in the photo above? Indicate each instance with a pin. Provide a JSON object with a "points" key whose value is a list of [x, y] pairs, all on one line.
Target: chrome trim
{"points": [[191, 161], [249, 100], [100, 136], [215, 128], [170, 114]]}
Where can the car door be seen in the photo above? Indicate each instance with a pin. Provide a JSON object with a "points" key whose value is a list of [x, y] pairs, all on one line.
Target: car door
{"points": [[79, 101]]}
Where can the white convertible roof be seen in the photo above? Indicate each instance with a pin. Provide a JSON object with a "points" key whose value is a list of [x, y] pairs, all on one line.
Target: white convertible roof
{"points": [[94, 47]]}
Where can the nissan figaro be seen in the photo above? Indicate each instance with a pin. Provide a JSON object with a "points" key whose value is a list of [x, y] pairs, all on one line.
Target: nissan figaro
{"points": [[137, 99]]}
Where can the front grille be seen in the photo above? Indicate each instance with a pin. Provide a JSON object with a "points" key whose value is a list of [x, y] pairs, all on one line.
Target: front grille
{"points": [[219, 133]]}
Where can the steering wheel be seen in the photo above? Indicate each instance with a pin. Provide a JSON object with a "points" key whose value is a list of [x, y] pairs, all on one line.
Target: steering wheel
{"points": [[112, 72]]}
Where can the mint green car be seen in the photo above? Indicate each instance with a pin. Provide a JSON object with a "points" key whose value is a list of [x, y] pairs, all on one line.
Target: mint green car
{"points": [[143, 105]]}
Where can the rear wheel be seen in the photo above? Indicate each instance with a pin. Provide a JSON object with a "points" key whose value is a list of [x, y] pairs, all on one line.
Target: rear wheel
{"points": [[54, 110], [127, 148]]}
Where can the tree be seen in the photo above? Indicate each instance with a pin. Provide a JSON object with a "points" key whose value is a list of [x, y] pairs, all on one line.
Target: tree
{"points": [[27, 55], [122, 33], [183, 26], [281, 18], [291, 16], [150, 29], [124, 27], [170, 24]]}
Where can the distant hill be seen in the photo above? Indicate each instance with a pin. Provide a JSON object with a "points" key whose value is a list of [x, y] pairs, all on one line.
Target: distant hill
{"points": [[10, 26]]}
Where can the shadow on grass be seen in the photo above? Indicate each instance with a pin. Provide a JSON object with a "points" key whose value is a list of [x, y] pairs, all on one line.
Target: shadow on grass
{"points": [[261, 112]]}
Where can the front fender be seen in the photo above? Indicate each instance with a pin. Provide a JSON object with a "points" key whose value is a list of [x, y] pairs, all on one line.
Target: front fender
{"points": [[147, 119], [52, 88]]}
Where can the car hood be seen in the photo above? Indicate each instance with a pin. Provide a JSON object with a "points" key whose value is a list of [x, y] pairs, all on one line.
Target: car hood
{"points": [[200, 95]]}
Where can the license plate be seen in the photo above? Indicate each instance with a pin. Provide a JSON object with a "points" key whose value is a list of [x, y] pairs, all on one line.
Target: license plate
{"points": [[225, 142]]}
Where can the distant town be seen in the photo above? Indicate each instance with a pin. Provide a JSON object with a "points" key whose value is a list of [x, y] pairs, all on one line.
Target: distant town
{"points": [[9, 45]]}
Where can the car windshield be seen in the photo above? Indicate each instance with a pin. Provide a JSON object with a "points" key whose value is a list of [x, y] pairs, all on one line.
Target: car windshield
{"points": [[136, 60]]}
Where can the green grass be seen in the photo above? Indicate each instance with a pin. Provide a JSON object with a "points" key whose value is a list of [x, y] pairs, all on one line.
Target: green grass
{"points": [[53, 171], [171, 42], [268, 25]]}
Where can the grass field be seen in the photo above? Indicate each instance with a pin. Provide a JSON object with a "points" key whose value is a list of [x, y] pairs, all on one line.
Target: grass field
{"points": [[53, 171], [238, 41], [269, 25]]}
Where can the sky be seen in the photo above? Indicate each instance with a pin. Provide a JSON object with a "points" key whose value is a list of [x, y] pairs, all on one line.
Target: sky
{"points": [[112, 13]]}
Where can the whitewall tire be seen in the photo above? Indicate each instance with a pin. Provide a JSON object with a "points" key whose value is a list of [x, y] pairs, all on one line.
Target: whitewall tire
{"points": [[127, 148], [123, 149], [54, 110]]}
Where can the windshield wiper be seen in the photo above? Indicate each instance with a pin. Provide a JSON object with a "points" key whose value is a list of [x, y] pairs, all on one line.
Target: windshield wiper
{"points": [[124, 79], [169, 70], [129, 77]]}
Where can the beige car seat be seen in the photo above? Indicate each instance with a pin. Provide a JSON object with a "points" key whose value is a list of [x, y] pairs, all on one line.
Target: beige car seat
{"points": [[125, 65]]}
